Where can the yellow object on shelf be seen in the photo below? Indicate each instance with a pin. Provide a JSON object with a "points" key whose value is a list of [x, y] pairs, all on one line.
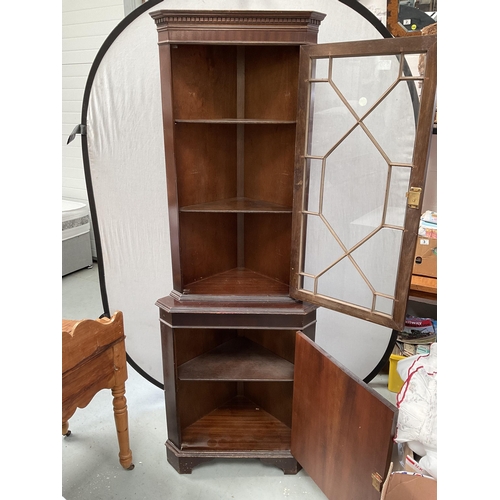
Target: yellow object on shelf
{"points": [[395, 381]]}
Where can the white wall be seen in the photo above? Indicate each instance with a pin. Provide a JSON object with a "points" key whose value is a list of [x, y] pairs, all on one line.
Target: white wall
{"points": [[85, 26]]}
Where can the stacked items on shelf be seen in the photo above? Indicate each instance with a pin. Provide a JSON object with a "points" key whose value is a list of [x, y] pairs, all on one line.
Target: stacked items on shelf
{"points": [[426, 251], [428, 225], [417, 336]]}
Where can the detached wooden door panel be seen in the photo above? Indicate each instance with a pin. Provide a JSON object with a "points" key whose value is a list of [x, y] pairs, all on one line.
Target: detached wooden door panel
{"points": [[341, 429]]}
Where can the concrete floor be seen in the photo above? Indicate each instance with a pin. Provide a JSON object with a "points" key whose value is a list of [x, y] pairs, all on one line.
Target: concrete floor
{"points": [[90, 466]]}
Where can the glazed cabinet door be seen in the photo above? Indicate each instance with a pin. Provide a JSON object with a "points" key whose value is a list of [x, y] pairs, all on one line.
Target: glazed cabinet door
{"points": [[366, 113], [341, 428]]}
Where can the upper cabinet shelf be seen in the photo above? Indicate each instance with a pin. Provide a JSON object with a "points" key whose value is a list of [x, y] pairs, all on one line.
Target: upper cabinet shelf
{"points": [[240, 121], [238, 283], [238, 205]]}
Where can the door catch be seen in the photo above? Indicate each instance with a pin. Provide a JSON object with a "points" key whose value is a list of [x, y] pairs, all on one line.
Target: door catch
{"points": [[414, 197], [377, 481]]}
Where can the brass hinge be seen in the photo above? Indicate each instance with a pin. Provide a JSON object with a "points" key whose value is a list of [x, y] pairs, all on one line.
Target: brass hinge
{"points": [[414, 197], [377, 481]]}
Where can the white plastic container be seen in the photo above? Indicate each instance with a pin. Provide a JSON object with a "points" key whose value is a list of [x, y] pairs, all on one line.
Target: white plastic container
{"points": [[76, 249]]}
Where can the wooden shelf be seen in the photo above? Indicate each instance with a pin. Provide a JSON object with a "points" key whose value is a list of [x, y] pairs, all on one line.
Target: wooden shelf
{"points": [[239, 359], [238, 205], [238, 282], [239, 121], [423, 288], [239, 425]]}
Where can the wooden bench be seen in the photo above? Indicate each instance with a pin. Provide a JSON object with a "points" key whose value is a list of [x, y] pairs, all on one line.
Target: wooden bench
{"points": [[94, 358]]}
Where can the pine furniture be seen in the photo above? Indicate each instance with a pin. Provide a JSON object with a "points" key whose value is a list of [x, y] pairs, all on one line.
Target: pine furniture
{"points": [[93, 359]]}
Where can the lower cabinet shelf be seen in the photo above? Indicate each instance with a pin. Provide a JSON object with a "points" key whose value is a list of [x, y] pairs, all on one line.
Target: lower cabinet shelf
{"points": [[238, 359], [238, 425]]}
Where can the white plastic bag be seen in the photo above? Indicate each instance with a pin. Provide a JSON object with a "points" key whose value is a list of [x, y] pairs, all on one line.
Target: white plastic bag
{"points": [[417, 403]]}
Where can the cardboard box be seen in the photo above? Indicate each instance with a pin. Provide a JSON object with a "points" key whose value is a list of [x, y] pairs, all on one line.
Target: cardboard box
{"points": [[408, 486], [425, 263]]}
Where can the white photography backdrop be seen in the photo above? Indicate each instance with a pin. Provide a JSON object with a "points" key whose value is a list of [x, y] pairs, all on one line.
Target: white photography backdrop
{"points": [[127, 172]]}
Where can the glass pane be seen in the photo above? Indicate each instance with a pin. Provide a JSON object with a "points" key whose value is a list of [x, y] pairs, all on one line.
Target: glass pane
{"points": [[355, 182], [378, 259], [330, 119], [384, 305], [415, 66], [308, 284], [313, 185], [344, 282], [321, 249], [395, 136], [319, 68], [363, 80], [396, 204]]}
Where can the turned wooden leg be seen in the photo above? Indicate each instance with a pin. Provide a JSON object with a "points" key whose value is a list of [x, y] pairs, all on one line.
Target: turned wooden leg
{"points": [[121, 421], [65, 428]]}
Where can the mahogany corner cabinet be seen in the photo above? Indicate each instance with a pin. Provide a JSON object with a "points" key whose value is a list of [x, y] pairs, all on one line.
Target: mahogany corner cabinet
{"points": [[285, 193]]}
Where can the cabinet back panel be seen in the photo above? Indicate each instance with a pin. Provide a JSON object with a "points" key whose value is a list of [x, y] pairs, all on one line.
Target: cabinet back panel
{"points": [[190, 343], [208, 244], [271, 82], [267, 245], [205, 81], [269, 163], [281, 343], [196, 399], [274, 397], [206, 162]]}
